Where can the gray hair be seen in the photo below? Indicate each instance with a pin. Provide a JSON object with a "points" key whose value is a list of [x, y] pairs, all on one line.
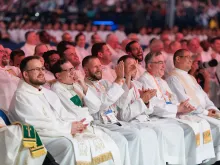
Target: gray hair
{"points": [[150, 56]]}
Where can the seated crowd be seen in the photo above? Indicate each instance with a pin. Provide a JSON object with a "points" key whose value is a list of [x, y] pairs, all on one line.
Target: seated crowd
{"points": [[111, 104]]}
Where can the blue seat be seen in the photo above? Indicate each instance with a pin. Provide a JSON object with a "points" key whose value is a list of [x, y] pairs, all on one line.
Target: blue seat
{"points": [[4, 117]]}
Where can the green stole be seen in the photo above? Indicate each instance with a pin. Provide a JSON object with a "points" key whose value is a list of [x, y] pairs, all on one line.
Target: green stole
{"points": [[32, 140], [76, 100]]}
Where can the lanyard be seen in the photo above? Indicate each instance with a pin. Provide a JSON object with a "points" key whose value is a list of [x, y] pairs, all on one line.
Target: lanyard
{"points": [[135, 91], [159, 88], [96, 88]]}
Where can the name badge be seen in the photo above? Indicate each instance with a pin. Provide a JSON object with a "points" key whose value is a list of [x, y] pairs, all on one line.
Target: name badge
{"points": [[110, 116]]}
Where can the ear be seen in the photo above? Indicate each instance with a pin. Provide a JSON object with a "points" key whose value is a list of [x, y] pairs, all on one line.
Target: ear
{"points": [[86, 71], [129, 53], [25, 75], [47, 66], [177, 59], [57, 75], [11, 63], [100, 54], [148, 66]]}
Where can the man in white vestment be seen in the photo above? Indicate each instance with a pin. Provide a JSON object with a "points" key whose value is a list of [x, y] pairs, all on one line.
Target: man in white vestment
{"points": [[165, 105], [4, 61], [78, 99], [31, 42], [179, 36], [9, 82], [174, 46], [142, 151], [104, 55], [12, 150], [185, 87], [120, 32], [41, 108], [157, 45], [134, 108], [68, 51], [114, 47], [95, 38], [16, 57], [40, 49], [134, 49], [123, 45], [50, 58], [80, 41], [67, 37]]}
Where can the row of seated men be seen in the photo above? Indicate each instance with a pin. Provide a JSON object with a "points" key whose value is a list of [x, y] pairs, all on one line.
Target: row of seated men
{"points": [[89, 120], [118, 48]]}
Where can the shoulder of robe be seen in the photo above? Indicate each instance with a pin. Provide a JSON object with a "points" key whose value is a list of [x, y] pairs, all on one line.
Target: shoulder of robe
{"points": [[49, 92]]}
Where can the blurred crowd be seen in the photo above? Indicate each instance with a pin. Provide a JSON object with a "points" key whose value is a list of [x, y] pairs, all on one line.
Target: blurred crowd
{"points": [[194, 14]]}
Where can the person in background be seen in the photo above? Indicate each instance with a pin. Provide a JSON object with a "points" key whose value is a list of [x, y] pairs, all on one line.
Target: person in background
{"points": [[30, 44]]}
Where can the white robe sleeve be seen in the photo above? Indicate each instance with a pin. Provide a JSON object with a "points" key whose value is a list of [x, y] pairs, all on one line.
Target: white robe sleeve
{"points": [[8, 87], [128, 109], [180, 92], [25, 112], [162, 109], [112, 94], [92, 101]]}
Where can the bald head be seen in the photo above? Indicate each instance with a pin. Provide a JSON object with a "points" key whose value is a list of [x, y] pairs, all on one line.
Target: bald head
{"points": [[124, 43], [66, 37], [112, 40], [156, 46], [179, 36], [174, 46], [164, 36], [40, 49], [133, 37], [194, 45]]}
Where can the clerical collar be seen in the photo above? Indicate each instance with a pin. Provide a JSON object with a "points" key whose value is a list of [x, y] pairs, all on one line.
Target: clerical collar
{"points": [[67, 86], [27, 87]]}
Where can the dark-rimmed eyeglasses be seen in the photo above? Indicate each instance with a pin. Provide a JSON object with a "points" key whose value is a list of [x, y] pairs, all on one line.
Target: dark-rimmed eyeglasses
{"points": [[69, 70]]}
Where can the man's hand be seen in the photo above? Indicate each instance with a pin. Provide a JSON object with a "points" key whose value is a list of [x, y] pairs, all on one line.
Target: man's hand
{"points": [[78, 127], [212, 113], [119, 70], [185, 107], [80, 80], [131, 69], [146, 95]]}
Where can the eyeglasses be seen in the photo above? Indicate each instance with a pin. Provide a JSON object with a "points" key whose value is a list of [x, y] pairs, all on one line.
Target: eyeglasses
{"points": [[158, 62], [187, 57], [69, 70], [37, 69]]}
